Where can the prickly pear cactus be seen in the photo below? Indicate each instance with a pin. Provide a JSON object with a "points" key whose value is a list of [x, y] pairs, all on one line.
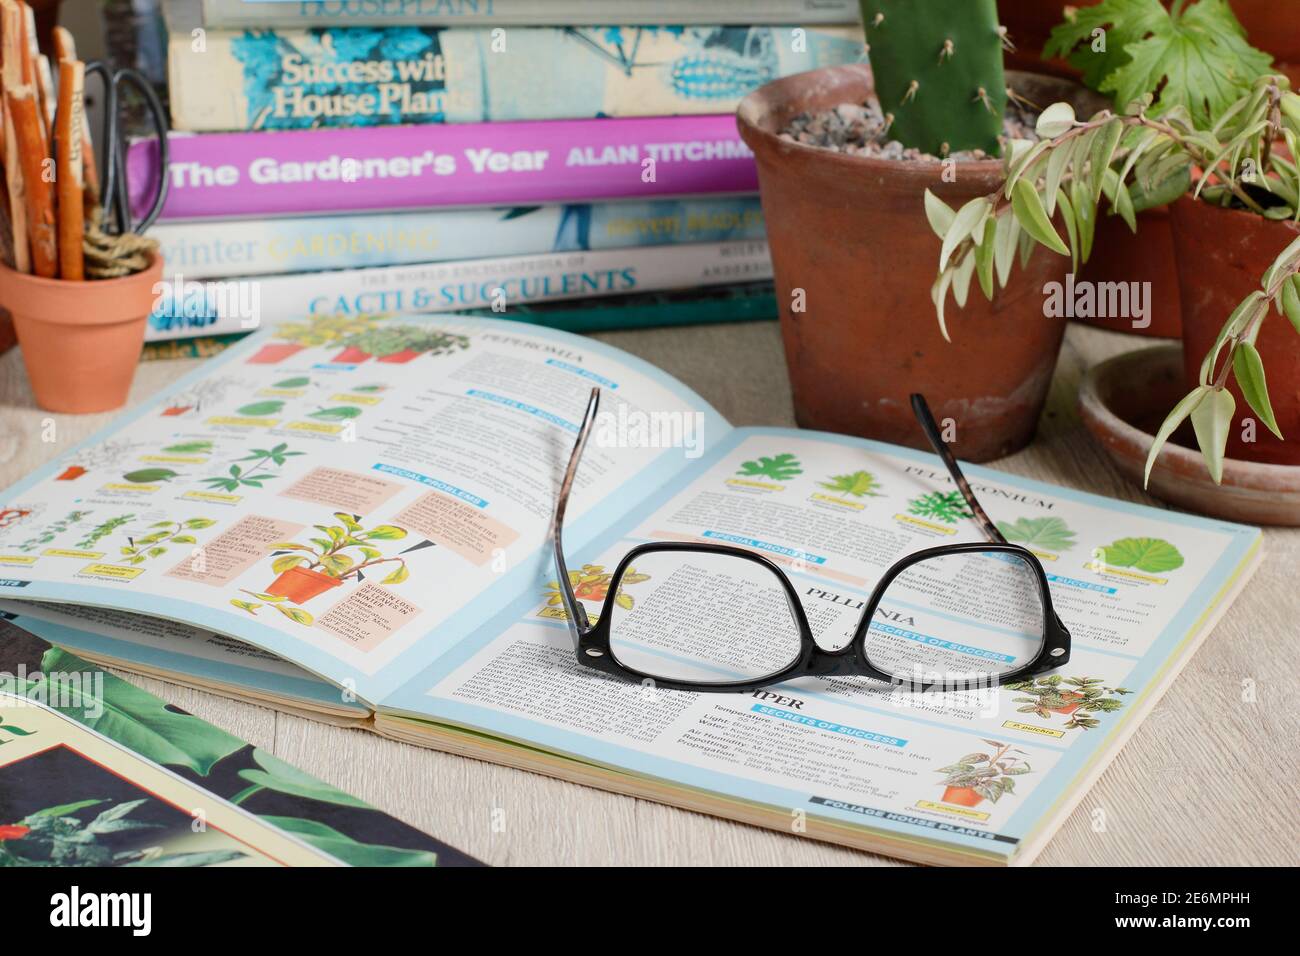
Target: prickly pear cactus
{"points": [[938, 71]]}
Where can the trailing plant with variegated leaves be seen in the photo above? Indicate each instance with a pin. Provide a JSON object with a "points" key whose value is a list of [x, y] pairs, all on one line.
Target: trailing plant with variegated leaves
{"points": [[1139, 161]]}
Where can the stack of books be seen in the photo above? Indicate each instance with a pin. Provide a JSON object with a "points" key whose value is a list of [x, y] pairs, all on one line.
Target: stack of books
{"points": [[497, 156]]}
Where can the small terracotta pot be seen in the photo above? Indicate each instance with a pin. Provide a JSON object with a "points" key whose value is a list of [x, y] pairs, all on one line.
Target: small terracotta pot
{"points": [[81, 341], [273, 352], [400, 358], [1120, 255], [300, 585], [351, 356], [851, 233], [1222, 255], [961, 796]]}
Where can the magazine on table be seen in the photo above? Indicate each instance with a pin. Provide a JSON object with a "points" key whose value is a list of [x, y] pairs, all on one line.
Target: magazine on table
{"points": [[350, 517]]}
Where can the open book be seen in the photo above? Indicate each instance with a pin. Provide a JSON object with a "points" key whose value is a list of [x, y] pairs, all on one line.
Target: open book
{"points": [[349, 517]]}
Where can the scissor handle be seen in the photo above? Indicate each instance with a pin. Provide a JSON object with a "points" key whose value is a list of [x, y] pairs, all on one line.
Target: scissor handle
{"points": [[116, 196]]}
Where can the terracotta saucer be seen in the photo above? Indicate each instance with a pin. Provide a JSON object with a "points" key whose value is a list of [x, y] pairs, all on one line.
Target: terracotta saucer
{"points": [[1123, 401]]}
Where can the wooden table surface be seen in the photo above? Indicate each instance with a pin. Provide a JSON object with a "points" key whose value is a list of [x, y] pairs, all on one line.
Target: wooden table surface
{"points": [[1209, 779]]}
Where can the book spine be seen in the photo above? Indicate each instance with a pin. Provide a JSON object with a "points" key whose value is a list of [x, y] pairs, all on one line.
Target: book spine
{"points": [[188, 308], [370, 76], [313, 172], [238, 13], [221, 249]]}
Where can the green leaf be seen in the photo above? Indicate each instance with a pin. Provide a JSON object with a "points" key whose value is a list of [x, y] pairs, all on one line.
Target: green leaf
{"points": [[296, 382], [260, 409], [939, 214], [398, 576], [295, 614], [198, 524], [149, 476], [344, 848], [1051, 534], [984, 257], [282, 777], [287, 561], [384, 532], [1055, 120], [1212, 420], [338, 413], [1175, 418], [969, 218], [1291, 301], [1103, 149], [189, 448], [1146, 554], [1249, 369], [1004, 247], [134, 718], [1028, 207]]}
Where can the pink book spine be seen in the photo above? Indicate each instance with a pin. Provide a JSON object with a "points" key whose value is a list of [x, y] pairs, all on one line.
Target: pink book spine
{"points": [[254, 174]]}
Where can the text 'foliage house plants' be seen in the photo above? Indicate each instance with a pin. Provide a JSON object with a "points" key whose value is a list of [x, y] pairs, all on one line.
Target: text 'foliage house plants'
{"points": [[854, 257]]}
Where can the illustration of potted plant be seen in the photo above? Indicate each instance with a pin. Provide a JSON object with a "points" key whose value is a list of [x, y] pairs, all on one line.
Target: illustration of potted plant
{"points": [[978, 776], [779, 467], [945, 506], [103, 530], [1073, 697], [53, 530], [162, 533], [858, 484], [398, 344], [1047, 534], [320, 331], [591, 584], [1152, 555], [346, 551], [253, 476]]}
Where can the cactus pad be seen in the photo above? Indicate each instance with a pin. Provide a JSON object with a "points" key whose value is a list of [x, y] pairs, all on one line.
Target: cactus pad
{"points": [[938, 71]]}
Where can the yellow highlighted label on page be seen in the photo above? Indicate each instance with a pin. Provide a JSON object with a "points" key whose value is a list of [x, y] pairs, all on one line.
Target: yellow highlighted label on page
{"points": [[766, 486], [927, 525], [856, 506], [279, 392], [213, 496], [317, 427], [175, 459], [966, 812], [244, 422], [69, 553], [26, 560], [1032, 729], [356, 399], [121, 487], [1124, 573], [1044, 555], [115, 571]]}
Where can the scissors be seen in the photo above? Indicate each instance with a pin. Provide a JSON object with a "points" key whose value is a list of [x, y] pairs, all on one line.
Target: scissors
{"points": [[116, 198]]}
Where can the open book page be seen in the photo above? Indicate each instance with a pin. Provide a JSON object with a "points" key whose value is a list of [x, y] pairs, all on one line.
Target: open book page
{"points": [[1131, 583], [350, 494]]}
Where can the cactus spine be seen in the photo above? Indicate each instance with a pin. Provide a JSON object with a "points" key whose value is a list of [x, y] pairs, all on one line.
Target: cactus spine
{"points": [[938, 71]]}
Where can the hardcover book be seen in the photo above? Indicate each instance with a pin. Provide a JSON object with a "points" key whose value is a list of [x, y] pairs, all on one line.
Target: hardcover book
{"points": [[349, 518], [96, 772], [379, 76], [311, 172], [325, 13]]}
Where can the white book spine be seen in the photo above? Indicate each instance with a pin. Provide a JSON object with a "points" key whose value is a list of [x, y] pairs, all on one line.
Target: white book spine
{"points": [[186, 308]]}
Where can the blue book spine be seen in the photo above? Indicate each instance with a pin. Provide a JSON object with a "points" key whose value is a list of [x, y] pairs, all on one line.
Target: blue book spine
{"points": [[214, 249], [228, 80]]}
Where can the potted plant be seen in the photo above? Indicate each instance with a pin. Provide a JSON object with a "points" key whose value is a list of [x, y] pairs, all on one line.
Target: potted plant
{"points": [[397, 344], [293, 337], [1067, 696], [840, 190], [1123, 50], [345, 551], [1245, 201], [978, 776]]}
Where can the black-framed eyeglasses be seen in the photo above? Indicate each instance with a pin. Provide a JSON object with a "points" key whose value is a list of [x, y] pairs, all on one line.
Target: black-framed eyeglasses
{"points": [[719, 617]]}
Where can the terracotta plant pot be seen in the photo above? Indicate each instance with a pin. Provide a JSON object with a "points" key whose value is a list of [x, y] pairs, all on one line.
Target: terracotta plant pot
{"points": [[1222, 255], [351, 356], [1068, 708], [81, 341], [274, 352], [961, 796], [851, 233], [300, 585], [1122, 402], [1147, 256], [400, 358]]}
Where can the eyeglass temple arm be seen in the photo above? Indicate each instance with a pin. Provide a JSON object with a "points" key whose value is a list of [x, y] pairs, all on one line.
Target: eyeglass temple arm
{"points": [[577, 613], [922, 412]]}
